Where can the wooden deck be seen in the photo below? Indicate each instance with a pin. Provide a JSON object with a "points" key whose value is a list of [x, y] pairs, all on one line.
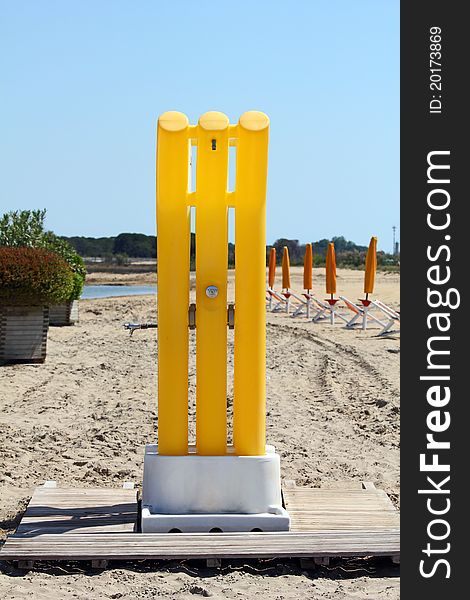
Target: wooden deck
{"points": [[79, 511], [98, 525]]}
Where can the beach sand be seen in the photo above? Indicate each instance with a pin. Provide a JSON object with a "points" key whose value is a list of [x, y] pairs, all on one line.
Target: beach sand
{"points": [[84, 416]]}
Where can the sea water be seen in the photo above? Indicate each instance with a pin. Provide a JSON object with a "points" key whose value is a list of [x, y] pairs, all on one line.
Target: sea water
{"points": [[112, 291]]}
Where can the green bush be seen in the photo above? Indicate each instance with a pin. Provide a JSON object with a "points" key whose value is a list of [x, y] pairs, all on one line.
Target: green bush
{"points": [[33, 276], [26, 228], [61, 247]]}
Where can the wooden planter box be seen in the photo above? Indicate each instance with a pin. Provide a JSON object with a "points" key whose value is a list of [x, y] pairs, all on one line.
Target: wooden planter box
{"points": [[23, 333], [64, 314]]}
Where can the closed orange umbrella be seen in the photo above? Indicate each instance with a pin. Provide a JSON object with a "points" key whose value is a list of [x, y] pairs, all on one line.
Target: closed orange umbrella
{"points": [[371, 267], [272, 268], [285, 269], [308, 267], [331, 270]]}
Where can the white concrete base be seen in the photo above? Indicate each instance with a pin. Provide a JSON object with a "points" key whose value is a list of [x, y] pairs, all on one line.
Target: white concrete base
{"points": [[211, 523], [196, 493]]}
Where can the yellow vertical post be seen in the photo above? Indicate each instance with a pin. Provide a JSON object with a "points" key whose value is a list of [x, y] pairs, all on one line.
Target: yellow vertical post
{"points": [[249, 404], [173, 236], [211, 284]]}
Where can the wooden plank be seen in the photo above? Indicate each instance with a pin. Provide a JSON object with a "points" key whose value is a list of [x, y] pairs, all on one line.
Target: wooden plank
{"points": [[20, 320], [330, 509], [12, 324], [69, 494], [27, 329], [97, 524], [86, 511], [24, 322], [202, 545], [14, 346], [17, 316]]}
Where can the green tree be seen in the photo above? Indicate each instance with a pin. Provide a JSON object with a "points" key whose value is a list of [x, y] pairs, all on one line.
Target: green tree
{"points": [[296, 251], [22, 228], [88, 246], [121, 259], [136, 245]]}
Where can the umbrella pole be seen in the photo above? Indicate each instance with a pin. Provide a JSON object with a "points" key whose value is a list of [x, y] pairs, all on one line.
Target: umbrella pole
{"points": [[366, 310]]}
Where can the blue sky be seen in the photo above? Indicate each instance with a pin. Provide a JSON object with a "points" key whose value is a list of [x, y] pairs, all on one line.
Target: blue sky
{"points": [[83, 82]]}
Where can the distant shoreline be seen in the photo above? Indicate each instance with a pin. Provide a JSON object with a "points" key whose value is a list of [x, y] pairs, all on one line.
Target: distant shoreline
{"points": [[119, 279], [150, 278]]}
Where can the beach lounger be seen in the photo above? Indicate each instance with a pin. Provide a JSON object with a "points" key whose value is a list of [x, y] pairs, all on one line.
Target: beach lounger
{"points": [[328, 307], [306, 305], [361, 313], [392, 315], [276, 297]]}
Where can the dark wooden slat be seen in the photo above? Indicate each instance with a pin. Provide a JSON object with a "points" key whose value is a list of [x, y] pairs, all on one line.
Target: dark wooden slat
{"points": [[202, 546]]}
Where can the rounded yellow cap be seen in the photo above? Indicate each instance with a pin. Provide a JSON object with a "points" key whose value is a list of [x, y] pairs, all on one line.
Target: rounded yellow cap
{"points": [[254, 120], [173, 120], [214, 121]]}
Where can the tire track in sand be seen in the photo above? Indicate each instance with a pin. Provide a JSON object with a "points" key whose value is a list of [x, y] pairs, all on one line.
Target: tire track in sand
{"points": [[341, 412]]}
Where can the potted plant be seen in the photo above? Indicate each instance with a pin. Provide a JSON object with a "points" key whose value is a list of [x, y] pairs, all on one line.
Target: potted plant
{"points": [[26, 228], [66, 313], [30, 280]]}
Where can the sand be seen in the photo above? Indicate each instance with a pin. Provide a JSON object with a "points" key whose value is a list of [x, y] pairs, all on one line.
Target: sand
{"points": [[84, 417], [101, 278]]}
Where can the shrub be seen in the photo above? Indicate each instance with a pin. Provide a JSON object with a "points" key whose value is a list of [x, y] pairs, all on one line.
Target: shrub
{"points": [[33, 276], [26, 228], [66, 251]]}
